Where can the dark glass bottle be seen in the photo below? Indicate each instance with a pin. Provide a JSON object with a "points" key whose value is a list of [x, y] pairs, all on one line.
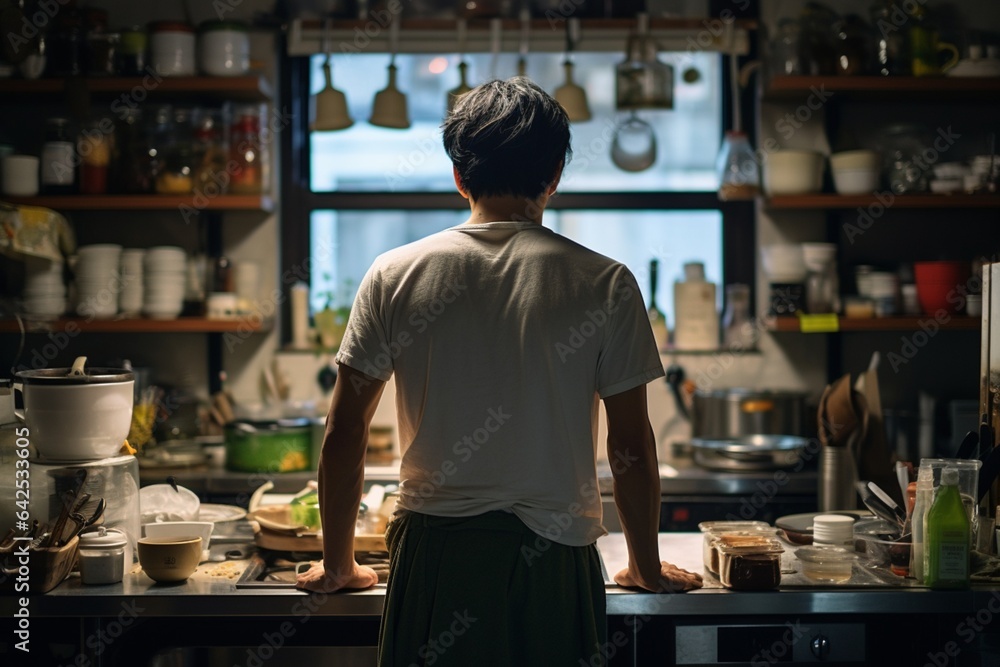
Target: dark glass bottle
{"points": [[58, 160]]}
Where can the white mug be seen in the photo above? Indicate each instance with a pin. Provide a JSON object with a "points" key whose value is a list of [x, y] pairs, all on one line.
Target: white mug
{"points": [[20, 175]]}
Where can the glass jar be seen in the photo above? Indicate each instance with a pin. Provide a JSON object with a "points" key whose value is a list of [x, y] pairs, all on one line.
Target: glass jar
{"points": [[784, 58], [132, 51], [737, 329], [852, 46], [246, 152], [132, 167], [102, 53], [817, 50], [58, 171], [102, 556], [209, 173], [902, 147], [95, 146], [65, 42], [739, 173], [891, 47], [174, 176]]}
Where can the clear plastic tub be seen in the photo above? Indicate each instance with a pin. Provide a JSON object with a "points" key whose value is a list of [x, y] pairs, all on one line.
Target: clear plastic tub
{"points": [[826, 564], [714, 529]]}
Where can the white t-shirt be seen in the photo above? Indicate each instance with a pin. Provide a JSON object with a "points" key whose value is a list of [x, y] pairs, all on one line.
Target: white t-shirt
{"points": [[502, 337]]}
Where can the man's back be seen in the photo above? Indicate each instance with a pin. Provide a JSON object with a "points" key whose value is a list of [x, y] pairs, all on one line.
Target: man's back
{"points": [[502, 336]]}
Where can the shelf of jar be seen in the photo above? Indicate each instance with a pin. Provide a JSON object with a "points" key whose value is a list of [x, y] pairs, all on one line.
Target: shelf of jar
{"points": [[953, 323], [899, 87], [883, 199], [147, 202], [140, 325], [249, 88]]}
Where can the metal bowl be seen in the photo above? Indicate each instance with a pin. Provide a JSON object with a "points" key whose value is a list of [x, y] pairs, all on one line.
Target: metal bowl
{"points": [[750, 452]]}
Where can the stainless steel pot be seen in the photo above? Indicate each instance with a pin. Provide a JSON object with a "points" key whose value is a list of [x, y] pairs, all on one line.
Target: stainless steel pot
{"points": [[747, 429], [734, 413]]}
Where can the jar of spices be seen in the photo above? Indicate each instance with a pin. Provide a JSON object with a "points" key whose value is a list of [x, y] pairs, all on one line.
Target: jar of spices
{"points": [[132, 166], [102, 556], [223, 48], [132, 51], [58, 169], [102, 53], [94, 146], [246, 151], [172, 48], [178, 157], [159, 134], [209, 175], [784, 58]]}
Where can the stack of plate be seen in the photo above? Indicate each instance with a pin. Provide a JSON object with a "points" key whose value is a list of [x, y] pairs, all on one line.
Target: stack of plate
{"points": [[130, 299], [44, 291], [97, 280], [163, 282]]}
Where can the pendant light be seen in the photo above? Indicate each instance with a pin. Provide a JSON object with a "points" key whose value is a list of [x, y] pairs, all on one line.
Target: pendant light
{"points": [[463, 84], [572, 97], [642, 81], [330, 104], [389, 109]]}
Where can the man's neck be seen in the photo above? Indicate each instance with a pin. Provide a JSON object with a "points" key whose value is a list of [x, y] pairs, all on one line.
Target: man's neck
{"points": [[503, 208]]}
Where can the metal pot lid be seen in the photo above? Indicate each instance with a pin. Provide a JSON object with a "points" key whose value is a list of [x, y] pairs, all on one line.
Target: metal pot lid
{"points": [[752, 444], [60, 376], [103, 538]]}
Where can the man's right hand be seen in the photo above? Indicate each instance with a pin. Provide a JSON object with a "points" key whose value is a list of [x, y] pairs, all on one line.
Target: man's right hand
{"points": [[672, 579]]}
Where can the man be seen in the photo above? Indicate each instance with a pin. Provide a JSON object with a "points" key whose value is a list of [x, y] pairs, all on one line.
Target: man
{"points": [[502, 336]]}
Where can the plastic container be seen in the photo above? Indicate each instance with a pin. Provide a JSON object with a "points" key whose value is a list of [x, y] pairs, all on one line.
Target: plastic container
{"points": [[749, 563], [102, 556], [172, 48], [825, 564], [877, 548], [714, 529]]}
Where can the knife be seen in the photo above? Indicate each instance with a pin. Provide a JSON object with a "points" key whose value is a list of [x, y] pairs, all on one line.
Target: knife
{"points": [[889, 502], [967, 449]]}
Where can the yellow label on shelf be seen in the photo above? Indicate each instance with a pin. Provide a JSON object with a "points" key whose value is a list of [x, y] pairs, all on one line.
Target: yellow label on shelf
{"points": [[821, 323]]}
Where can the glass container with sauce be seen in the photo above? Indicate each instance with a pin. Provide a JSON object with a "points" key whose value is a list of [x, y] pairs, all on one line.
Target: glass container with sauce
{"points": [[95, 147], [712, 530], [246, 151], [749, 562]]}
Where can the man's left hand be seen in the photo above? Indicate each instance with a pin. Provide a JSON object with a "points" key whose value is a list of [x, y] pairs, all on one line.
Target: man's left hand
{"points": [[317, 580]]}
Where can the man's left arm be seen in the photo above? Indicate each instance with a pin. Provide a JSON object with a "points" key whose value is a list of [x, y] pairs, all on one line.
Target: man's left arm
{"points": [[341, 482]]}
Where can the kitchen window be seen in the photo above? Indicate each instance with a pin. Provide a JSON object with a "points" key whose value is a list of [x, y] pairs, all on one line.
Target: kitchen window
{"points": [[353, 194]]}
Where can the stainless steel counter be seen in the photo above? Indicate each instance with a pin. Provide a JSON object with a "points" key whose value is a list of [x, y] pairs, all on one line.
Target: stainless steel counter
{"points": [[201, 596]]}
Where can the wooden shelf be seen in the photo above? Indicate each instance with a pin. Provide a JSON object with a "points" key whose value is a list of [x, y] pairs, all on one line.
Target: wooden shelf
{"points": [[934, 89], [141, 325], [248, 88], [147, 202], [888, 200], [956, 323]]}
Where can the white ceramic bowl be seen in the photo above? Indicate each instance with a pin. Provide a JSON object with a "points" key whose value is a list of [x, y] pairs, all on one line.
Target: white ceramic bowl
{"points": [[855, 181], [944, 186], [783, 262], [789, 172], [861, 159], [817, 256]]}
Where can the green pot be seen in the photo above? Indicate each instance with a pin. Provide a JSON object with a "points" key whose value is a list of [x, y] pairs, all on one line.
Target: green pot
{"points": [[283, 445]]}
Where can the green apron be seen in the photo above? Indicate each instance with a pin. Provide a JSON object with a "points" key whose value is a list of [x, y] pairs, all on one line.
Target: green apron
{"points": [[486, 590]]}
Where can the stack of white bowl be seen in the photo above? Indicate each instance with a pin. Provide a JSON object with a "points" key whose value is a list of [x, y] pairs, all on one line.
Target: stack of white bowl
{"points": [[855, 172], [130, 299], [985, 168], [44, 291], [164, 282], [97, 280]]}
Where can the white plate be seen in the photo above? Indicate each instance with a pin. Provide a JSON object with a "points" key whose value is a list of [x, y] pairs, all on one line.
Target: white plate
{"points": [[220, 513]]}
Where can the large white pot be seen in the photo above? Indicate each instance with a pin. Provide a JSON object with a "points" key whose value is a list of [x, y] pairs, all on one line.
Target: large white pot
{"points": [[789, 172], [76, 417]]}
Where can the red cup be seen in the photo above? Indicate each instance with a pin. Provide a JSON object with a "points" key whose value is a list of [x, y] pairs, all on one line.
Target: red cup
{"points": [[955, 273]]}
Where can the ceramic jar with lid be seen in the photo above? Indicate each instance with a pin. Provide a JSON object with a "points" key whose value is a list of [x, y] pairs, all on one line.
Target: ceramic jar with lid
{"points": [[103, 556], [172, 48], [223, 48]]}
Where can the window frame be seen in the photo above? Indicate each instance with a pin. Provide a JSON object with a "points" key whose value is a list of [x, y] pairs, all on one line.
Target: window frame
{"points": [[298, 201]]}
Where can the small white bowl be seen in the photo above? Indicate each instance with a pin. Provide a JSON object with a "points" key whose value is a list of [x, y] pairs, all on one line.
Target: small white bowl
{"points": [[179, 529], [855, 181], [974, 305], [946, 185], [862, 159]]}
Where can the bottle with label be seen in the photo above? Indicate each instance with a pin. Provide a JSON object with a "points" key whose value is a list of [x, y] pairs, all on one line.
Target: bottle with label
{"points": [[58, 170], [918, 521], [696, 321], [657, 320], [947, 537]]}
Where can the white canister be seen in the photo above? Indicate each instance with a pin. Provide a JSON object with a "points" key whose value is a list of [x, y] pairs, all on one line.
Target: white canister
{"points": [[172, 48], [223, 48], [103, 556], [20, 175]]}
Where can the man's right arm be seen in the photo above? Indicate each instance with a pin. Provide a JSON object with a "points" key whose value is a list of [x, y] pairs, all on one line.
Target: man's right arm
{"points": [[632, 456]]}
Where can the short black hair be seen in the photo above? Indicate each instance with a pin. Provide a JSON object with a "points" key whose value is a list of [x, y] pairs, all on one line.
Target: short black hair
{"points": [[507, 138]]}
